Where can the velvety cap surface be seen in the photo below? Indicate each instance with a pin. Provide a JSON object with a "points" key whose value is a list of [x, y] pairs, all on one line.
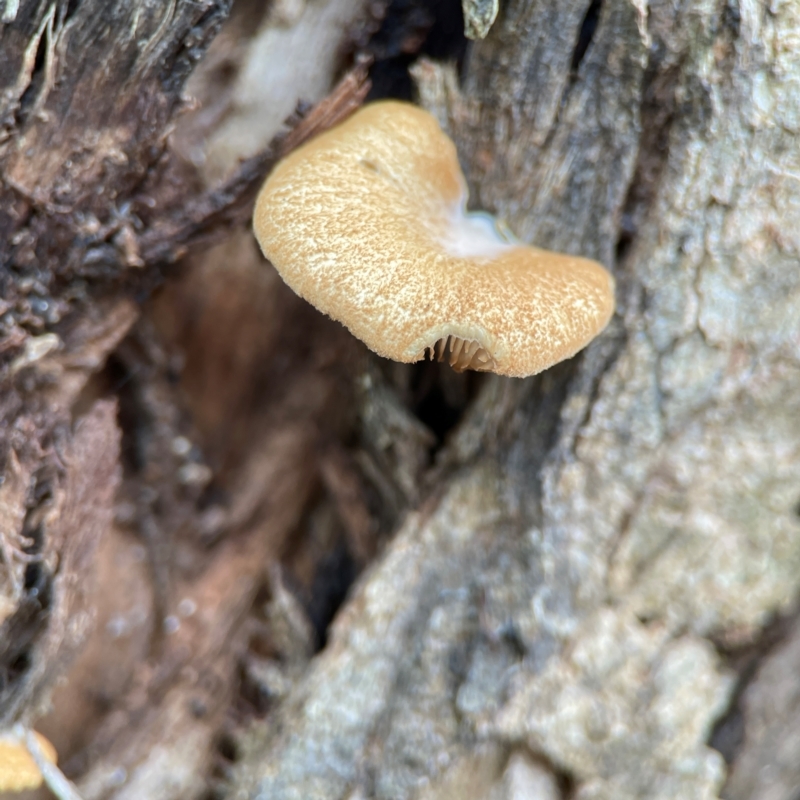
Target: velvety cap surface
{"points": [[367, 223]]}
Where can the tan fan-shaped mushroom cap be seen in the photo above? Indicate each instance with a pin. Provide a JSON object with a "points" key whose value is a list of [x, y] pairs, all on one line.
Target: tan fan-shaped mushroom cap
{"points": [[367, 222], [18, 771]]}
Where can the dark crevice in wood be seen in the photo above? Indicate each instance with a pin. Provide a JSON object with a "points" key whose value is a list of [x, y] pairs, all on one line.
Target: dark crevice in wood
{"points": [[323, 592], [608, 350], [732, 17], [585, 34], [727, 736], [440, 396], [567, 782], [407, 30], [130, 416], [20, 632], [534, 444], [226, 746], [658, 114], [71, 8], [334, 576]]}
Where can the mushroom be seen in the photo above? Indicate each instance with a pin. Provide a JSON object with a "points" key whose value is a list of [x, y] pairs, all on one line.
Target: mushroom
{"points": [[18, 770], [368, 222], [28, 759]]}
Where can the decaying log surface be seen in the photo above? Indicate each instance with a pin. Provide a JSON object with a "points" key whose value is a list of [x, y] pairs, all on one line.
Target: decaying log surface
{"points": [[578, 585], [76, 141], [94, 205], [627, 523]]}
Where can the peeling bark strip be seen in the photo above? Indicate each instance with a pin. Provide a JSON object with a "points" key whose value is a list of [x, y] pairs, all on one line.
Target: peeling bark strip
{"points": [[198, 222], [69, 509]]}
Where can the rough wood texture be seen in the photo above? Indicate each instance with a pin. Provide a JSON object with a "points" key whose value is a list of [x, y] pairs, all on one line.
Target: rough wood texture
{"points": [[76, 141], [74, 509], [92, 205], [633, 511], [578, 597]]}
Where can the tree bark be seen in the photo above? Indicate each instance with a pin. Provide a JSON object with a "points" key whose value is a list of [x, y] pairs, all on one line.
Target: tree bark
{"points": [[585, 587]]}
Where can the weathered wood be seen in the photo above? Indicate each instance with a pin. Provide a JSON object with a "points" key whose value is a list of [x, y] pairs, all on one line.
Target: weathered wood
{"points": [[576, 589], [633, 511], [90, 208], [88, 90]]}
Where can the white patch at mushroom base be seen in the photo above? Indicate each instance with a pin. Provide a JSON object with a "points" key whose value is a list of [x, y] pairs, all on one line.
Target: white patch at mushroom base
{"points": [[473, 235]]}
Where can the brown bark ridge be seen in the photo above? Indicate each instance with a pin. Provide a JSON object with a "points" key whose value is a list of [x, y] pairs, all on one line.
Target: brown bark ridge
{"points": [[76, 139], [93, 206], [585, 588]]}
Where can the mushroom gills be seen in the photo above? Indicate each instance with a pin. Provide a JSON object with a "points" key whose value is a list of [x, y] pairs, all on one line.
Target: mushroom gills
{"points": [[461, 354]]}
